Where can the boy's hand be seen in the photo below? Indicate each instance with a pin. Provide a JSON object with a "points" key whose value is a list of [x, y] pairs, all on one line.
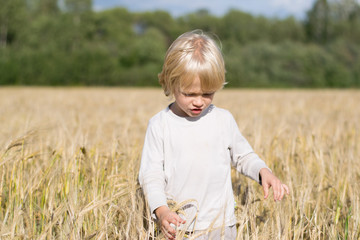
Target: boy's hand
{"points": [[166, 217], [270, 180]]}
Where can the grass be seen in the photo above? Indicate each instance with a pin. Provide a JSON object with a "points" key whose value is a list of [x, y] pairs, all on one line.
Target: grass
{"points": [[69, 160]]}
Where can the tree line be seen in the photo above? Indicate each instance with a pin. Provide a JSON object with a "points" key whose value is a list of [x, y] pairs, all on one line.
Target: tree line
{"points": [[52, 42]]}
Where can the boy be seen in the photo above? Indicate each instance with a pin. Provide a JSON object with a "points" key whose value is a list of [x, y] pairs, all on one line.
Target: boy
{"points": [[190, 146]]}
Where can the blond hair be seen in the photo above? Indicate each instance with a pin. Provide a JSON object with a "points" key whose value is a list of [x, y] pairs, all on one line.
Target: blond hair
{"points": [[193, 54]]}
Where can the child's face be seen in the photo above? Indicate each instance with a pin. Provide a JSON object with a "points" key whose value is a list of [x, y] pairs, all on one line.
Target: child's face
{"points": [[191, 102]]}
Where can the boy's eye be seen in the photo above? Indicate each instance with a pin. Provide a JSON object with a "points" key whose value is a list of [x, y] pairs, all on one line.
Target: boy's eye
{"points": [[188, 94], [195, 94]]}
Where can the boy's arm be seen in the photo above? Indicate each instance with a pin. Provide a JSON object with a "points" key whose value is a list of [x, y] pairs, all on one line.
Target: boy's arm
{"points": [[249, 163], [151, 173], [152, 180], [243, 157]]}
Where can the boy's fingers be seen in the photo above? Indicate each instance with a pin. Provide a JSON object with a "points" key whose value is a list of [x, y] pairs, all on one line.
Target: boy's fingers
{"points": [[167, 234], [286, 189], [277, 193], [282, 193], [266, 191], [168, 228], [279, 189], [179, 220]]}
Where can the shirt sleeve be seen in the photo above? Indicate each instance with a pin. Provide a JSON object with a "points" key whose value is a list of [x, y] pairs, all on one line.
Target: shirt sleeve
{"points": [[151, 174], [243, 157]]}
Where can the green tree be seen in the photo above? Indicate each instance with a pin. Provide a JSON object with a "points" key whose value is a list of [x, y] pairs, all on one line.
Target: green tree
{"points": [[12, 17], [144, 58], [317, 22], [114, 28], [48, 7], [345, 20], [78, 6], [201, 19], [244, 28], [160, 20], [280, 30], [329, 20], [79, 19], [236, 25]]}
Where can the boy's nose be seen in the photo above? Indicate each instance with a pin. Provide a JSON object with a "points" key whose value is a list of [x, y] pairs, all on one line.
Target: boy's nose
{"points": [[198, 102]]}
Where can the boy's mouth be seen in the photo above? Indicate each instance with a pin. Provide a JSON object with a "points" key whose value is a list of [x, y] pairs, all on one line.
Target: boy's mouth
{"points": [[196, 111]]}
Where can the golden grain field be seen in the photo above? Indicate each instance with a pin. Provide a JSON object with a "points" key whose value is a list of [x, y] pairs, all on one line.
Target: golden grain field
{"points": [[69, 160]]}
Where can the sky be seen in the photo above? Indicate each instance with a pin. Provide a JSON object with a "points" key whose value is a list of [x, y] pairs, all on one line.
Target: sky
{"points": [[268, 8]]}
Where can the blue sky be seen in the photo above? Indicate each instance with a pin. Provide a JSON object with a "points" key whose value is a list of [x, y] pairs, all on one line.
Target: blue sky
{"points": [[269, 8]]}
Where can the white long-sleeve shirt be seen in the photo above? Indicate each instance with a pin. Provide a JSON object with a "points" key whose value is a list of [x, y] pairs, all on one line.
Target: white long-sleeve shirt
{"points": [[190, 158]]}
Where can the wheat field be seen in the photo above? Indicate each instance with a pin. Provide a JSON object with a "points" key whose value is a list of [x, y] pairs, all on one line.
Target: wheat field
{"points": [[69, 159]]}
